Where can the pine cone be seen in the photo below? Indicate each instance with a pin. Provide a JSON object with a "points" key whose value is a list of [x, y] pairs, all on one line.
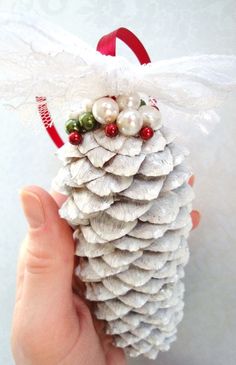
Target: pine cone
{"points": [[129, 203]]}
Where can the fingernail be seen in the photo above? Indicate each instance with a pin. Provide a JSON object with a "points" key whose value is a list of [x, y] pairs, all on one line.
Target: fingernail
{"points": [[191, 181], [196, 218], [33, 209]]}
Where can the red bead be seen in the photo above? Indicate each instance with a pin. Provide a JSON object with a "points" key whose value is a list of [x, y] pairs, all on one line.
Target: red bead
{"points": [[75, 138], [146, 133], [111, 130]]}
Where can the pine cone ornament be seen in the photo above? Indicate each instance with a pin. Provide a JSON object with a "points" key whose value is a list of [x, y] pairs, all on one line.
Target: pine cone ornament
{"points": [[123, 171], [129, 203]]}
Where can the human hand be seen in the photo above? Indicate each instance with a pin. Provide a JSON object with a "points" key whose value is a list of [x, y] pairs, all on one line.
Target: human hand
{"points": [[51, 324]]}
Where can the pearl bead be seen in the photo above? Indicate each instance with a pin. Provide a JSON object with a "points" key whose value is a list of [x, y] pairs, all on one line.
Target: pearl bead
{"points": [[151, 116], [75, 114], [105, 110], [84, 106], [129, 101], [129, 122], [87, 105]]}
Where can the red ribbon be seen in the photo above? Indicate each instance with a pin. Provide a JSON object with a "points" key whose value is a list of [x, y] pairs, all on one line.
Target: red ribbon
{"points": [[106, 46], [47, 121]]}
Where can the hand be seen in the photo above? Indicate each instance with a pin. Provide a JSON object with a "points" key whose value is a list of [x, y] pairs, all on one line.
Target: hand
{"points": [[52, 325]]}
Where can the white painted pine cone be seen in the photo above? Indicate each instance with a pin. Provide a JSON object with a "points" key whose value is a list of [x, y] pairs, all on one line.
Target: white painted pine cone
{"points": [[129, 203]]}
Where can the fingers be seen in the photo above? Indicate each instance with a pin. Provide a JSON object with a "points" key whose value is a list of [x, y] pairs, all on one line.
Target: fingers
{"points": [[196, 217], [191, 181], [59, 198], [115, 356], [49, 253]]}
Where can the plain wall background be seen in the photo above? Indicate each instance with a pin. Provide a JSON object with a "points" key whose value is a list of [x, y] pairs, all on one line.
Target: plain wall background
{"points": [[168, 29]]}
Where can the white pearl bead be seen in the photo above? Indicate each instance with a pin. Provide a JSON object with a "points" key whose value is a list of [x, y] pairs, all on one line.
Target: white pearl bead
{"points": [[151, 116], [74, 114], [129, 122], [128, 101], [105, 110], [85, 105]]}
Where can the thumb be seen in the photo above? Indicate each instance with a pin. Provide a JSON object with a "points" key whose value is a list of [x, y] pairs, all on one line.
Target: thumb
{"points": [[49, 254]]}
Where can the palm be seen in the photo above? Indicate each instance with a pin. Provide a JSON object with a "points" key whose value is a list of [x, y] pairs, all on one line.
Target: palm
{"points": [[95, 343]]}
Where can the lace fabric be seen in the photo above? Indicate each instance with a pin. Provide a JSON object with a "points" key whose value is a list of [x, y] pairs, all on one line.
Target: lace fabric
{"points": [[40, 59]]}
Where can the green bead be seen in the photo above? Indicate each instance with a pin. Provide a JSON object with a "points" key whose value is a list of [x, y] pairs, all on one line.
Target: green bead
{"points": [[87, 121], [71, 126], [80, 126], [142, 102]]}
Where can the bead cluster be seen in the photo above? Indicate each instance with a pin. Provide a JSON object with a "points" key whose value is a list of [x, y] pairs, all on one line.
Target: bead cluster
{"points": [[126, 114]]}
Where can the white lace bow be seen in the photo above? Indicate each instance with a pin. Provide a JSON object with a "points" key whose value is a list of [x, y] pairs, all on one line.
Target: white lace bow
{"points": [[40, 59]]}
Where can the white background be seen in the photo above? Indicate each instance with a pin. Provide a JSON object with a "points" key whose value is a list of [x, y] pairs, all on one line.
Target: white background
{"points": [[168, 28]]}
